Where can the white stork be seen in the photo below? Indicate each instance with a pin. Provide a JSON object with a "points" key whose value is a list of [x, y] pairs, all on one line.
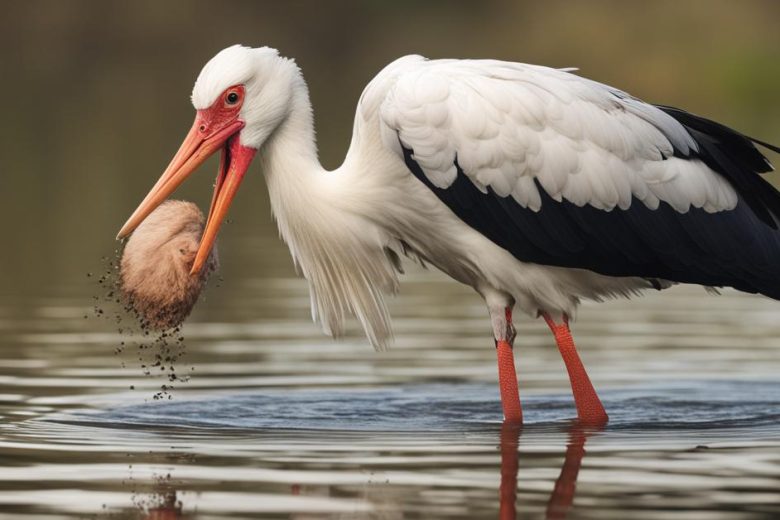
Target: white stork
{"points": [[536, 187]]}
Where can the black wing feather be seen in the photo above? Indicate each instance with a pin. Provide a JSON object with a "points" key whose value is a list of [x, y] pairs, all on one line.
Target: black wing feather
{"points": [[734, 156], [739, 248]]}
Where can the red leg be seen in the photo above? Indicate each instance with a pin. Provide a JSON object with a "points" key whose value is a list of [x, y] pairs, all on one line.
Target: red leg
{"points": [[507, 377], [589, 407]]}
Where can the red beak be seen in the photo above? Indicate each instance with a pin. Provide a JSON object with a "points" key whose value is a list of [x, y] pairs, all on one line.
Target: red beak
{"points": [[207, 135]]}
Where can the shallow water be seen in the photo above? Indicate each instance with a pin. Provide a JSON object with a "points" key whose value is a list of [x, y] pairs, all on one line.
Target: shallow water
{"points": [[278, 421]]}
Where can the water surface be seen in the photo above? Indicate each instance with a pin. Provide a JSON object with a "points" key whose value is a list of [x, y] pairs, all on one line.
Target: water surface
{"points": [[277, 421]]}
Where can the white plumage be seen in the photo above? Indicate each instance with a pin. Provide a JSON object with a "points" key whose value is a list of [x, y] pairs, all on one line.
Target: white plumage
{"points": [[511, 123]]}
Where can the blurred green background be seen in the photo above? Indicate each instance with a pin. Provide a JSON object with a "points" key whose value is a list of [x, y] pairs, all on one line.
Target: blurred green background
{"points": [[96, 94]]}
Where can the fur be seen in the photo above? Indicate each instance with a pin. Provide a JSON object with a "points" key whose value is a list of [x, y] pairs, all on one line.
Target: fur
{"points": [[155, 266]]}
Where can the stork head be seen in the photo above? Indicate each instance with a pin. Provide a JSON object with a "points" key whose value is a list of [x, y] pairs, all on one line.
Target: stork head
{"points": [[240, 97]]}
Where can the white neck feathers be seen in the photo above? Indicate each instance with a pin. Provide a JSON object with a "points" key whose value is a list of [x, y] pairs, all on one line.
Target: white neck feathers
{"points": [[338, 249]]}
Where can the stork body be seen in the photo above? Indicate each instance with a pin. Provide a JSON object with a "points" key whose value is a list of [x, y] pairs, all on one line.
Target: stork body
{"points": [[534, 186]]}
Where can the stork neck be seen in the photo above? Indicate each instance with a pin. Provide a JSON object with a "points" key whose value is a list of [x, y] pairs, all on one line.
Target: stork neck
{"points": [[290, 154], [344, 263]]}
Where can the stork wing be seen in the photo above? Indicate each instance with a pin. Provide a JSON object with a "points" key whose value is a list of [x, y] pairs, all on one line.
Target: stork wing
{"points": [[564, 171]]}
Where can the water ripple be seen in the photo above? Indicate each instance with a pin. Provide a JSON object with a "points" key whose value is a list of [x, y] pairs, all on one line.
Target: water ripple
{"points": [[695, 406]]}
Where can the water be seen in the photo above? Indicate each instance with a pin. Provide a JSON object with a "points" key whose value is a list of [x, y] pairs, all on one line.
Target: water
{"points": [[278, 421]]}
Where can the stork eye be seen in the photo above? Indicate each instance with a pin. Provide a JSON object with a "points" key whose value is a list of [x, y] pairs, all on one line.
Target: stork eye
{"points": [[231, 98]]}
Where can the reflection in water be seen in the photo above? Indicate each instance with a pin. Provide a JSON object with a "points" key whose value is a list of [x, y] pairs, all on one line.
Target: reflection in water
{"points": [[169, 509], [510, 441], [163, 504], [562, 495]]}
